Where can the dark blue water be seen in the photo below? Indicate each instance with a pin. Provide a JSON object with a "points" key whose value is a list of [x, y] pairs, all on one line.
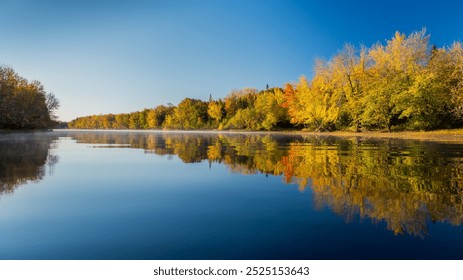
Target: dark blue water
{"points": [[155, 195]]}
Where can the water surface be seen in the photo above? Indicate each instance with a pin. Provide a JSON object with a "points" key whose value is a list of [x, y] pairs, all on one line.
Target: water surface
{"points": [[179, 195]]}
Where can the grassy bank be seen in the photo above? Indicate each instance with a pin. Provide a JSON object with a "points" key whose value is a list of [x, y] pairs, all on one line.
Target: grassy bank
{"points": [[445, 135]]}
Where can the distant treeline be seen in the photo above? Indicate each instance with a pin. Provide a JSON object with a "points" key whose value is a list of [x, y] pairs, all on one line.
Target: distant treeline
{"points": [[24, 104], [242, 109], [405, 84]]}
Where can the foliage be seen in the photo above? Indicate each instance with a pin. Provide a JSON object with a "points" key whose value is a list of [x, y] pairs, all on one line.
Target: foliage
{"points": [[24, 104], [265, 112], [216, 110], [313, 105], [189, 114], [146, 119], [404, 84]]}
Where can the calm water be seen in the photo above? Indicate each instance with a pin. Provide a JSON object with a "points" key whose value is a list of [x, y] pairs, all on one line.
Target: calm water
{"points": [[158, 195]]}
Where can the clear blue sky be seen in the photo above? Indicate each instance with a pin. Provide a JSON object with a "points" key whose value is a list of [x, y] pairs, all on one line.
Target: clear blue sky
{"points": [[122, 56]]}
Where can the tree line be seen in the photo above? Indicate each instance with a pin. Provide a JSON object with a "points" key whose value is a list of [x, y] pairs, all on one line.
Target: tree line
{"points": [[404, 84], [24, 104], [241, 109]]}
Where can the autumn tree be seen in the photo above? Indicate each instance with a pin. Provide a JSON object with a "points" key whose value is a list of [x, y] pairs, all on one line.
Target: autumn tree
{"points": [[349, 78], [314, 104], [189, 114], [456, 79], [269, 108], [394, 70], [216, 110], [239, 99], [402, 84], [24, 104]]}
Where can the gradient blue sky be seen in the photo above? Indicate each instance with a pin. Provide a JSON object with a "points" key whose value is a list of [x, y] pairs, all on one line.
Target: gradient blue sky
{"points": [[122, 56]]}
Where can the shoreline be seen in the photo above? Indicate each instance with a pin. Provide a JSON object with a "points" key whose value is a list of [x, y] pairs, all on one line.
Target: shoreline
{"points": [[445, 135]]}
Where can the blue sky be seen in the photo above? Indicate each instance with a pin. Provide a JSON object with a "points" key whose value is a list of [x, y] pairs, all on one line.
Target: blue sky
{"points": [[102, 57]]}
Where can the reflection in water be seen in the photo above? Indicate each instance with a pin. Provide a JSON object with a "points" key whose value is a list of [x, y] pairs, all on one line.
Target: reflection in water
{"points": [[403, 183], [24, 158]]}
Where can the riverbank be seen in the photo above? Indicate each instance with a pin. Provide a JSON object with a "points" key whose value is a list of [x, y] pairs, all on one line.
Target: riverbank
{"points": [[445, 135]]}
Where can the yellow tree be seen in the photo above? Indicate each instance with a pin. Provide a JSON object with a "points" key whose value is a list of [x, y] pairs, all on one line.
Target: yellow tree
{"points": [[239, 99], [269, 108], [392, 73], [151, 119], [427, 102], [313, 105], [349, 75], [456, 58], [215, 110]]}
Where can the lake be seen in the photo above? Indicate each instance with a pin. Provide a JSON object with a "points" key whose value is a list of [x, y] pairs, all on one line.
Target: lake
{"points": [[195, 195]]}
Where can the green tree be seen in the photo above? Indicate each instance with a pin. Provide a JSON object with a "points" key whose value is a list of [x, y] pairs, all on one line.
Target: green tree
{"points": [[189, 114], [269, 108]]}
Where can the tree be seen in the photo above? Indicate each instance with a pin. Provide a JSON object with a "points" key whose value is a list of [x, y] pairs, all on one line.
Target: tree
{"points": [[313, 105], [244, 119], [239, 99], [456, 79], [122, 121], [215, 110], [349, 68], [189, 114], [269, 108], [392, 74], [52, 105], [403, 84], [24, 104]]}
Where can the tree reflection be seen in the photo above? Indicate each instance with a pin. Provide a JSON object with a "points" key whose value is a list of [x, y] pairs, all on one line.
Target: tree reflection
{"points": [[24, 157], [406, 184]]}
